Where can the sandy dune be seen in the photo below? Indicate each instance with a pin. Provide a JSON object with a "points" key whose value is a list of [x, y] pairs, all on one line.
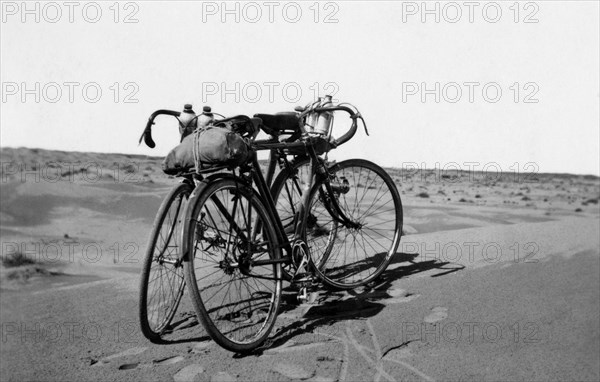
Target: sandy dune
{"points": [[495, 279]]}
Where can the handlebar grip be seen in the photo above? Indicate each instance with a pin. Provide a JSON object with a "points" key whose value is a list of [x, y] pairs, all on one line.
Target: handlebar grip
{"points": [[147, 134], [350, 133], [346, 137], [335, 108]]}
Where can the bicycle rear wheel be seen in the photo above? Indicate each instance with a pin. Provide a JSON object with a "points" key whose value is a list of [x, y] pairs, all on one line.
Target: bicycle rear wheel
{"points": [[162, 282], [358, 252], [235, 299]]}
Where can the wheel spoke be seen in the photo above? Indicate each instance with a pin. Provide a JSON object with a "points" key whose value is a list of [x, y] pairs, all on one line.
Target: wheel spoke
{"points": [[362, 252], [162, 283], [225, 290]]}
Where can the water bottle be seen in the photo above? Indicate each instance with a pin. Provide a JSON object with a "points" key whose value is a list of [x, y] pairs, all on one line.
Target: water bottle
{"points": [[311, 119], [206, 118], [325, 119], [186, 116]]}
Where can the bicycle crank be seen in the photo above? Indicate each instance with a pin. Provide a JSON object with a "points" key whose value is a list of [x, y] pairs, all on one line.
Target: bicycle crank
{"points": [[300, 258]]}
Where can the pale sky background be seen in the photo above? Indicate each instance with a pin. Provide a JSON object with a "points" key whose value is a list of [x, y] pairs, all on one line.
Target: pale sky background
{"points": [[369, 53]]}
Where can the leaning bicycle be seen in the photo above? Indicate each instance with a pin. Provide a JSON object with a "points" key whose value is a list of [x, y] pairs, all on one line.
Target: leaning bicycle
{"points": [[162, 282], [339, 224]]}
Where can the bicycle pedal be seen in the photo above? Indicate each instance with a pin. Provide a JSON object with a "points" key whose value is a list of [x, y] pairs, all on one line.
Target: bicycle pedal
{"points": [[302, 295]]}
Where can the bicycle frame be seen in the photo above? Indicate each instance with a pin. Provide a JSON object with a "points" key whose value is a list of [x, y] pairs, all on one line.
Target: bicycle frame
{"points": [[264, 189]]}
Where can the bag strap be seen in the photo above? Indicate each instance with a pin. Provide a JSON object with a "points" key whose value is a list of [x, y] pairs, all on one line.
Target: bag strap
{"points": [[197, 160]]}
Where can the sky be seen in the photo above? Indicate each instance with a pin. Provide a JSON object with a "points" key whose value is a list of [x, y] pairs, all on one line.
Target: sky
{"points": [[510, 85]]}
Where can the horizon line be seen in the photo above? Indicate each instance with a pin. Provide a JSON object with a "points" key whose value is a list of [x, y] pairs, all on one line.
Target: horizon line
{"points": [[390, 167]]}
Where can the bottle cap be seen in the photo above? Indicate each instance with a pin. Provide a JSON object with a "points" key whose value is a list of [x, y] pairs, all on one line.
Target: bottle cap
{"points": [[187, 106], [206, 109]]}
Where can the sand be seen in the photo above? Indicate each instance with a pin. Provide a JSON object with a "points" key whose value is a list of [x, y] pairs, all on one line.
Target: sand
{"points": [[495, 279]]}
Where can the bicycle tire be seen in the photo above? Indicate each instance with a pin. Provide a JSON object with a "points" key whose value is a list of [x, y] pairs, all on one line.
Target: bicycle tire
{"points": [[371, 200], [155, 316], [234, 322]]}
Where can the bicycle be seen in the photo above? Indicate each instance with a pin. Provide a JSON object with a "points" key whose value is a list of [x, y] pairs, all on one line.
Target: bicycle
{"points": [[234, 237], [162, 282]]}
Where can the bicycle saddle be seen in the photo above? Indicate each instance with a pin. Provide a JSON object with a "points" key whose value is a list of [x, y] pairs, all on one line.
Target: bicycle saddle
{"points": [[240, 124], [274, 124]]}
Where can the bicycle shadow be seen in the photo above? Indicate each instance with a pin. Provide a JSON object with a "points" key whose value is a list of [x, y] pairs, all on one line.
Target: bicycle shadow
{"points": [[348, 270], [331, 306], [184, 323], [359, 303]]}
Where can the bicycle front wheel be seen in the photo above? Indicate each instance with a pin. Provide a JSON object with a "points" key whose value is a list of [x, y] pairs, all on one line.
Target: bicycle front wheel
{"points": [[362, 248], [162, 282], [235, 298]]}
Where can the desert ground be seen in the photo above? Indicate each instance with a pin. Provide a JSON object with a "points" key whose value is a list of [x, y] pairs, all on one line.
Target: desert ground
{"points": [[497, 277]]}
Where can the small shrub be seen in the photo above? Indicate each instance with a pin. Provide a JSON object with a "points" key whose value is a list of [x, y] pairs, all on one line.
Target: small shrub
{"points": [[129, 168], [423, 195], [525, 198], [16, 259], [451, 177]]}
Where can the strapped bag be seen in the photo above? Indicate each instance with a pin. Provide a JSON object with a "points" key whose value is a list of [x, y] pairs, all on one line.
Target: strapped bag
{"points": [[207, 148]]}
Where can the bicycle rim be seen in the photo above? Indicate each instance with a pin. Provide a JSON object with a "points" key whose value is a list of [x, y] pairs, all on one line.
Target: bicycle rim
{"points": [[162, 283], [368, 197], [236, 302]]}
